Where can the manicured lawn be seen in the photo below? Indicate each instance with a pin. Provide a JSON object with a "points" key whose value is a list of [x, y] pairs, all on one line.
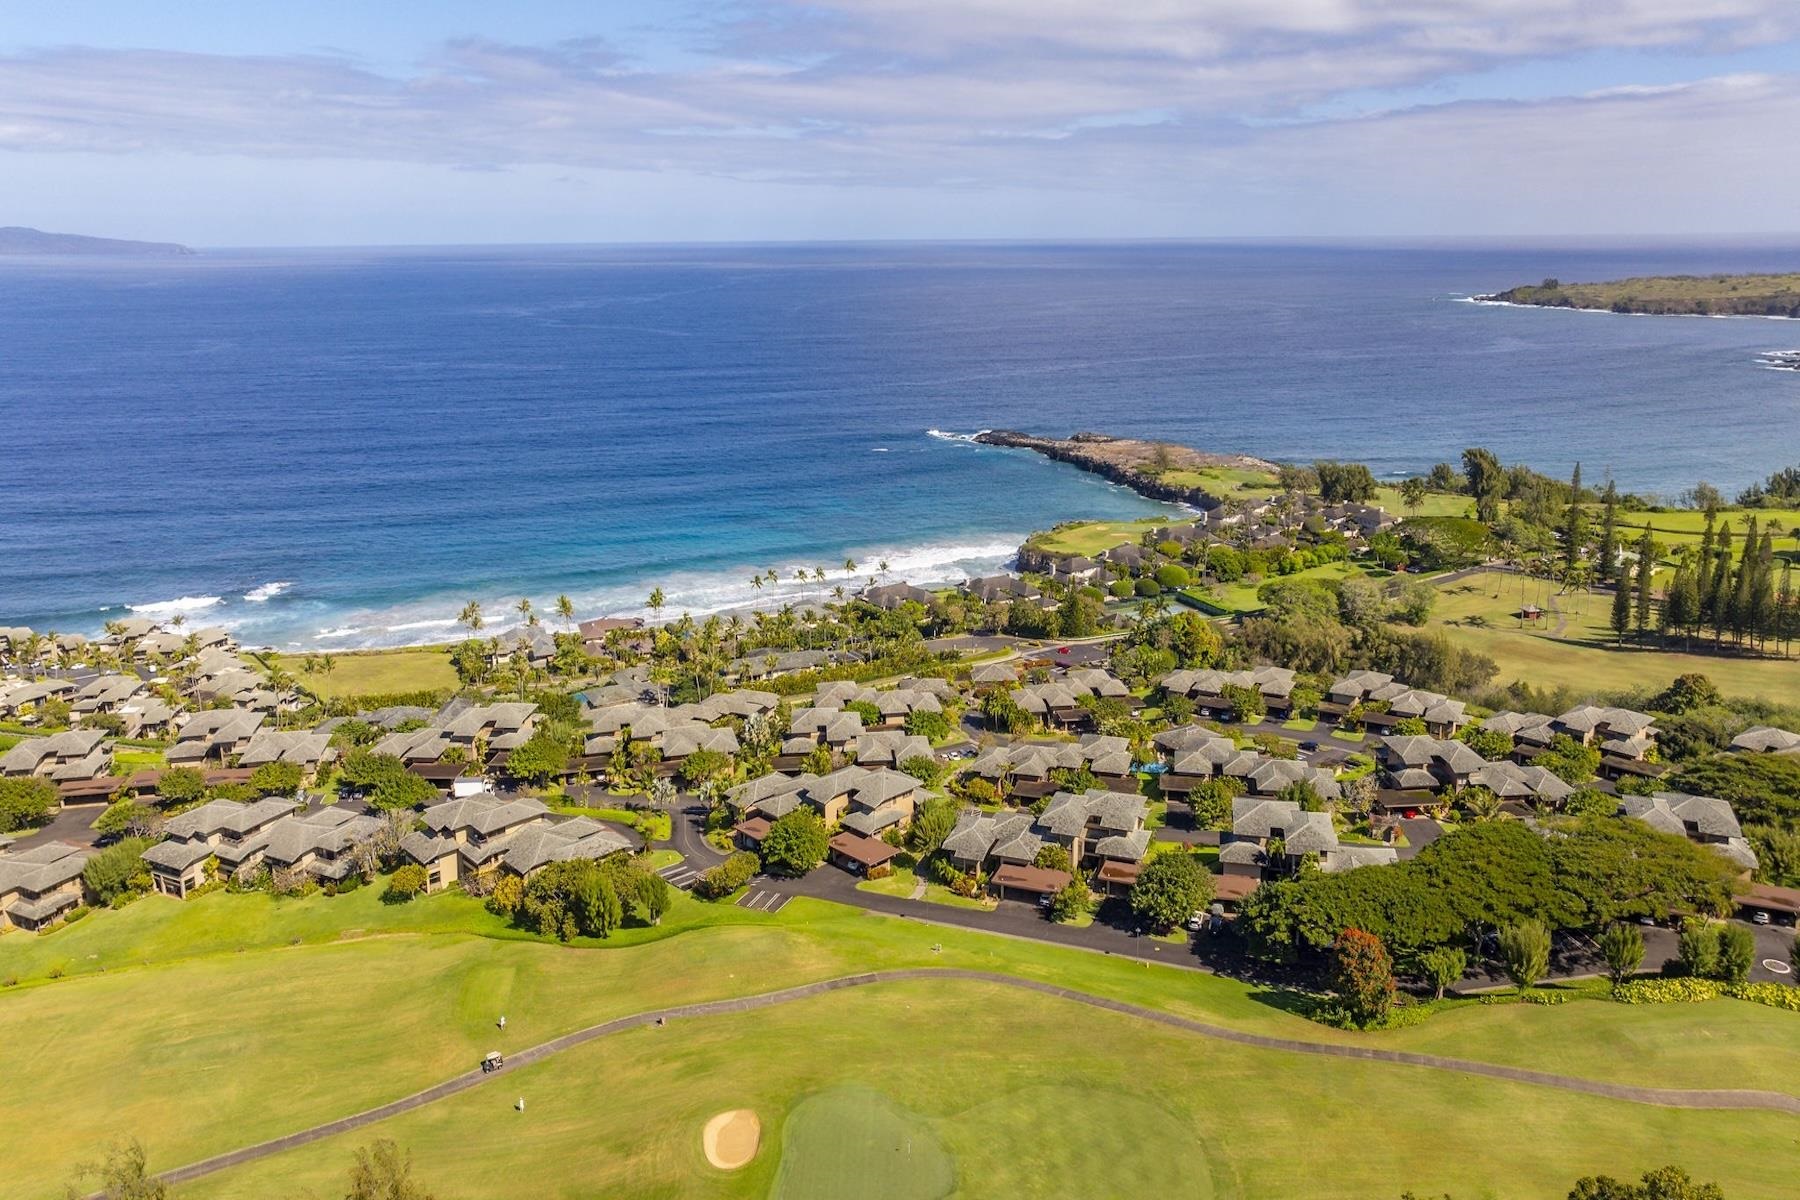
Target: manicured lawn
{"points": [[1241, 596], [1684, 528], [1436, 504], [1224, 482], [377, 1001], [372, 672], [902, 882], [1585, 656], [852, 1140], [653, 823], [1091, 537], [125, 761], [1301, 724], [1110, 1106]]}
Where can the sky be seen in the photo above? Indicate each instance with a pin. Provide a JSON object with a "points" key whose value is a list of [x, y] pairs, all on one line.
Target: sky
{"points": [[392, 122]]}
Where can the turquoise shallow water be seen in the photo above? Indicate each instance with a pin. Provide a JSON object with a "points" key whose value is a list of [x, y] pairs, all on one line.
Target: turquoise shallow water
{"points": [[338, 448]]}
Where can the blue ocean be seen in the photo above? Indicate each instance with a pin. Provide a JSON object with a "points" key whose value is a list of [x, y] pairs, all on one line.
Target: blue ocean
{"points": [[328, 449]]}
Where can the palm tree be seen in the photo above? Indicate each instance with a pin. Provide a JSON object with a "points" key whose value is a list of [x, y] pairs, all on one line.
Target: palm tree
{"points": [[656, 601], [525, 610], [756, 581], [565, 608], [1481, 804], [883, 565], [849, 566], [279, 682], [800, 574], [819, 574], [471, 616], [838, 593], [329, 664]]}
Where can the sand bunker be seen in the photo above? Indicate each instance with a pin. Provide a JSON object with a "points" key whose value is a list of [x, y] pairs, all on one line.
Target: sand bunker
{"points": [[731, 1138]]}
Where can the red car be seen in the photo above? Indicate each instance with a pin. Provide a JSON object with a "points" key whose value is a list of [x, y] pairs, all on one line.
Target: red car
{"points": [[1062, 649]]}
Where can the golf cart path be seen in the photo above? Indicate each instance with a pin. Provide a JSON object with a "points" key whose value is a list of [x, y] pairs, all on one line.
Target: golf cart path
{"points": [[1663, 1097]]}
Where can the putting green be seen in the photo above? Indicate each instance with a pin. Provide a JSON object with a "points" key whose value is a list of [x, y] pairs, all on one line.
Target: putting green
{"points": [[854, 1141]]}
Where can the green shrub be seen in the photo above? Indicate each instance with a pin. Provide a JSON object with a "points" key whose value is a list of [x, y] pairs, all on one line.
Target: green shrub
{"points": [[728, 876], [1147, 588], [25, 800], [1775, 995], [405, 883], [1684, 990]]}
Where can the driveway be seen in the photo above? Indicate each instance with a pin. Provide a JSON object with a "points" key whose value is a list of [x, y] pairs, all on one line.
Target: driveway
{"points": [[70, 825]]}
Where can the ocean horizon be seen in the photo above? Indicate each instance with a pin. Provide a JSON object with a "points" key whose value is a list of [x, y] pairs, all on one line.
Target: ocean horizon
{"points": [[335, 449]]}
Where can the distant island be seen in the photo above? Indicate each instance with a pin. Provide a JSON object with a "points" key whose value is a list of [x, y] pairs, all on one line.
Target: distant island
{"points": [[1668, 295], [19, 240]]}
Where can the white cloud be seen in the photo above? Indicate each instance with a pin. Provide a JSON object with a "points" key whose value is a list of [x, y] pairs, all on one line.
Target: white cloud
{"points": [[1152, 98]]}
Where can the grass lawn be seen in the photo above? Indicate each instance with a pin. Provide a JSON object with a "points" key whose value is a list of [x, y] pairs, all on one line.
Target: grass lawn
{"points": [[372, 672], [653, 823], [377, 1001], [125, 761], [1301, 724], [900, 883], [852, 1140], [1436, 504], [1224, 482], [1241, 596], [904, 1087], [1584, 656], [1091, 537], [1684, 527]]}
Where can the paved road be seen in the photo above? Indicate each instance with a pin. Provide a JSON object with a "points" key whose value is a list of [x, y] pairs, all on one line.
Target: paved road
{"points": [[1661, 1097]]}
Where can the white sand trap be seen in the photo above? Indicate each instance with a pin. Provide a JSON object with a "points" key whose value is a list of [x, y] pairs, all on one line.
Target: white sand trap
{"points": [[731, 1138]]}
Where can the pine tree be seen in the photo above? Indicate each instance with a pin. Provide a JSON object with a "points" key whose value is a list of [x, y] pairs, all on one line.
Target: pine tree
{"points": [[1646, 573], [1760, 618], [1785, 615], [1681, 608], [1704, 581], [1574, 523], [1621, 611], [1743, 585], [1718, 595], [1609, 533]]}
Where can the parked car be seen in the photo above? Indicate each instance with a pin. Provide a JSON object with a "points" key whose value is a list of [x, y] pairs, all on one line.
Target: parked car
{"points": [[1309, 747], [1759, 917]]}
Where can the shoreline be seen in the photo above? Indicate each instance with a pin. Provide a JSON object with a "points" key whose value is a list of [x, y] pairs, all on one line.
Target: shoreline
{"points": [[1121, 461], [1493, 301]]}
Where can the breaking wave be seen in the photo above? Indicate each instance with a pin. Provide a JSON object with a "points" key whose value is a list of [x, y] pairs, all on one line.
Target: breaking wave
{"points": [[181, 604]]}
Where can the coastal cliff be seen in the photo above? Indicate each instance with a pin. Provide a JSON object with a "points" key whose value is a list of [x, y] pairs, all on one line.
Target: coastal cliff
{"points": [[17, 239], [1667, 295], [1158, 470]]}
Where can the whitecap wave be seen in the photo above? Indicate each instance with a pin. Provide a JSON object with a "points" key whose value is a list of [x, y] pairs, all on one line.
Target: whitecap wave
{"points": [[945, 435], [346, 631], [267, 591], [434, 623], [181, 604]]}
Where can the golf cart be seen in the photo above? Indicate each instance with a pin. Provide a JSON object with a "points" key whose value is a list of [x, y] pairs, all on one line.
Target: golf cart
{"points": [[493, 1062]]}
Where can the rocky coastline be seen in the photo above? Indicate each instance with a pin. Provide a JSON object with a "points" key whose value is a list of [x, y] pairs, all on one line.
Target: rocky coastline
{"points": [[1132, 463]]}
